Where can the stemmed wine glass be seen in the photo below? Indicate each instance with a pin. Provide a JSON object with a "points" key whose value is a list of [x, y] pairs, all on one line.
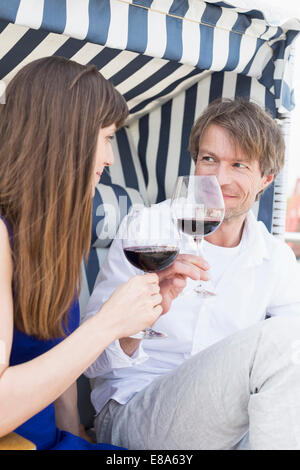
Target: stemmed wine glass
{"points": [[150, 243], [198, 207]]}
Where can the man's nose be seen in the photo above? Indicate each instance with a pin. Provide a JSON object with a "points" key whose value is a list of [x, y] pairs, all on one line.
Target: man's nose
{"points": [[224, 175]]}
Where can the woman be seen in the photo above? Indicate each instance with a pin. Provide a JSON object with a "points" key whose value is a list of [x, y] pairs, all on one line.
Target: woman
{"points": [[55, 132]]}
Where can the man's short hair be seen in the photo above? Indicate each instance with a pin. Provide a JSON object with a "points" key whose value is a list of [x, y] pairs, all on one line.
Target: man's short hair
{"points": [[252, 128]]}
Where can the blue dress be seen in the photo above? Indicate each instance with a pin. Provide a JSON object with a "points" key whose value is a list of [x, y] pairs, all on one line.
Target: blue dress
{"points": [[41, 428]]}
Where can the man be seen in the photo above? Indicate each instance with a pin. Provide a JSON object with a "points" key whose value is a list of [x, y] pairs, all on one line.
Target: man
{"points": [[223, 378]]}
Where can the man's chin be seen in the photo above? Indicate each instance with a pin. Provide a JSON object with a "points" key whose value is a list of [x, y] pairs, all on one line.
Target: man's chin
{"points": [[234, 214]]}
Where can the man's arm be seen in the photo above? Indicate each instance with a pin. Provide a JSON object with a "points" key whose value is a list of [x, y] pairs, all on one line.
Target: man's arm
{"points": [[66, 411], [115, 271], [129, 345]]}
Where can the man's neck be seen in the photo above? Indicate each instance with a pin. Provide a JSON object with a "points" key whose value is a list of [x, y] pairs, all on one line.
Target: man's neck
{"points": [[229, 233]]}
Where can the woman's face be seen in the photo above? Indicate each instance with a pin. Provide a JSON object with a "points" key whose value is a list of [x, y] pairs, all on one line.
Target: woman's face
{"points": [[104, 154]]}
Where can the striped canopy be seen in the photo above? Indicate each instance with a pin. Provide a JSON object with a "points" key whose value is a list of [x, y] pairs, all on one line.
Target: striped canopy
{"points": [[169, 58]]}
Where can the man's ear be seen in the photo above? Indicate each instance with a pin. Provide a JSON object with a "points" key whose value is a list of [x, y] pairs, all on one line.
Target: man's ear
{"points": [[267, 180]]}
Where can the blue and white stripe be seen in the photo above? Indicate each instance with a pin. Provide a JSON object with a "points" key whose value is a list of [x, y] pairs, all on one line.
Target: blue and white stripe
{"points": [[169, 58], [208, 35]]}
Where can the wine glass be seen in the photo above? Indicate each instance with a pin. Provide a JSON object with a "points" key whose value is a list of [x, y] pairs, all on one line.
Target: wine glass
{"points": [[198, 207], [150, 243]]}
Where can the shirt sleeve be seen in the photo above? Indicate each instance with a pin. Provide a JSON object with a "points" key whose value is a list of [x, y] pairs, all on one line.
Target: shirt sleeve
{"points": [[286, 294], [115, 271], [114, 358]]}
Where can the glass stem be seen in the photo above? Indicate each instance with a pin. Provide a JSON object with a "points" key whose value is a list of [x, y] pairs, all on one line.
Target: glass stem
{"points": [[199, 245]]}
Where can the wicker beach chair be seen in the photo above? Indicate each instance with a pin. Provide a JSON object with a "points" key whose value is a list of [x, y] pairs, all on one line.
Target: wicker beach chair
{"points": [[169, 58]]}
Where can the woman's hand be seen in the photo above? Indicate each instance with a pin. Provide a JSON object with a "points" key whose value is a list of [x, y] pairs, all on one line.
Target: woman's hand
{"points": [[134, 305], [172, 280]]}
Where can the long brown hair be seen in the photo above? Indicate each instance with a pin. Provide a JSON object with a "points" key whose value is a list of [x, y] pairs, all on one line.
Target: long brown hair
{"points": [[48, 134]]}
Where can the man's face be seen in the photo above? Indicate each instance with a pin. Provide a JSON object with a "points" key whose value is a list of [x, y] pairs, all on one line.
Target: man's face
{"points": [[240, 179]]}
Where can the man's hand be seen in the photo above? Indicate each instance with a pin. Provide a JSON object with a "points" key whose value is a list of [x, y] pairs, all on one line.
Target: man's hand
{"points": [[172, 280]]}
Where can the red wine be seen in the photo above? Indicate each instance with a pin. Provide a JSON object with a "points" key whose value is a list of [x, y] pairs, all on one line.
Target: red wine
{"points": [[151, 258], [198, 226]]}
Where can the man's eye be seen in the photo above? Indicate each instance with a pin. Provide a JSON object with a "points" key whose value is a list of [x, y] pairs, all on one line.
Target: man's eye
{"points": [[240, 165], [207, 159]]}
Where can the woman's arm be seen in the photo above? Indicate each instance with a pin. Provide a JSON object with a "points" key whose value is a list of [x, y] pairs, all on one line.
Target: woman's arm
{"points": [[27, 388]]}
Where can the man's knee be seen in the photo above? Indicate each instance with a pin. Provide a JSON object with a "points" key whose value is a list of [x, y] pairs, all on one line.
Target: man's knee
{"points": [[285, 328], [280, 338]]}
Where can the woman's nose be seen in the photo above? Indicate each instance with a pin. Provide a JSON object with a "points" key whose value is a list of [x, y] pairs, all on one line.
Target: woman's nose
{"points": [[109, 157]]}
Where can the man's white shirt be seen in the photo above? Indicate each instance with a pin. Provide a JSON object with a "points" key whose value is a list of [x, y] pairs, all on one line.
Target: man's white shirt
{"points": [[257, 278]]}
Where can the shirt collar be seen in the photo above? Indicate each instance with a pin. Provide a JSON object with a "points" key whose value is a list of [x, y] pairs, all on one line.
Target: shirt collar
{"points": [[254, 240]]}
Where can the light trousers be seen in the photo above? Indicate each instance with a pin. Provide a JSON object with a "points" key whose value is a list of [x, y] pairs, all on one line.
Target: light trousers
{"points": [[240, 393]]}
